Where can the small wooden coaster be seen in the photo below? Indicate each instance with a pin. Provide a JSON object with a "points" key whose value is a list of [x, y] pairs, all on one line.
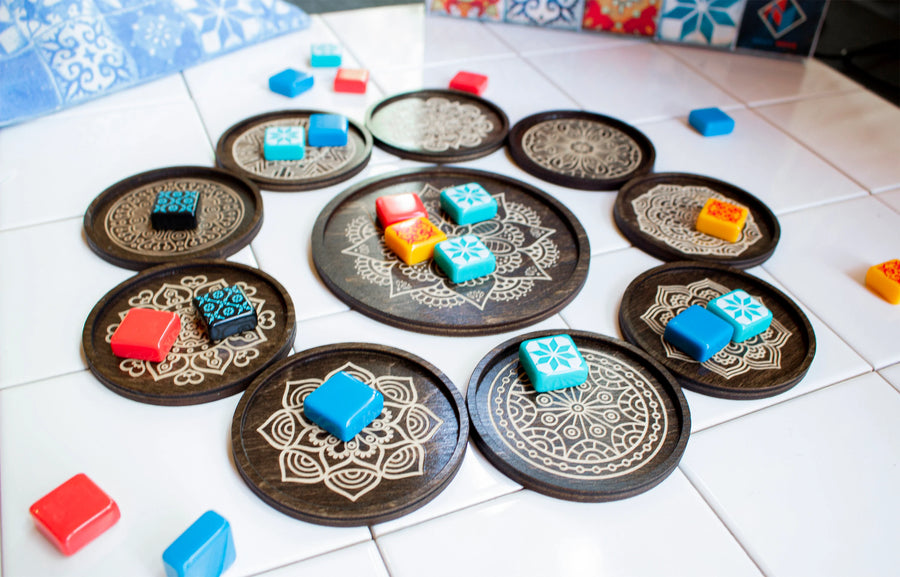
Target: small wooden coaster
{"points": [[117, 224], [397, 464], [762, 366], [541, 249], [619, 434], [658, 214], [240, 149], [196, 370], [580, 149], [438, 125]]}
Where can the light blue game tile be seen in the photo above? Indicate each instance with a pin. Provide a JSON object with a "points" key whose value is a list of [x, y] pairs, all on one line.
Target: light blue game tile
{"points": [[468, 203], [205, 549], [328, 130], [747, 316], [324, 55], [553, 363], [283, 143], [464, 258], [698, 333], [290, 82], [343, 406]]}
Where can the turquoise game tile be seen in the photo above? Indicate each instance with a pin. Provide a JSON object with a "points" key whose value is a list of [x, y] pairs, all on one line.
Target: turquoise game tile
{"points": [[747, 316], [468, 203], [343, 406], [698, 332], [283, 143], [324, 55], [553, 363], [464, 258], [205, 549]]}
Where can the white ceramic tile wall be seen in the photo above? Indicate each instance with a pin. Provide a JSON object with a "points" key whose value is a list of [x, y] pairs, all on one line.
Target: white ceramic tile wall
{"points": [[798, 484]]}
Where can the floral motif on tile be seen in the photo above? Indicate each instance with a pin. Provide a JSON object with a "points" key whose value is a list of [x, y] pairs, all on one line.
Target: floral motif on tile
{"points": [[622, 16], [548, 13], [476, 9], [706, 22]]}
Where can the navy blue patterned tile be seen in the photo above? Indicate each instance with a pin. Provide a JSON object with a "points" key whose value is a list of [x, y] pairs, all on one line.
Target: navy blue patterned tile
{"points": [[551, 13], [175, 210], [225, 312]]}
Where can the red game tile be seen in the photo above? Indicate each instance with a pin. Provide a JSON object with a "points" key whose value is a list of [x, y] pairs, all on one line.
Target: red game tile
{"points": [[399, 207], [470, 82], [351, 80], [146, 334]]}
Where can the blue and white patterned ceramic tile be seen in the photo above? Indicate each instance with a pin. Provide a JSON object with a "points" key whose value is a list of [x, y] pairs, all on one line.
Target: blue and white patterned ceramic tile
{"points": [[706, 22], [550, 13], [12, 39]]}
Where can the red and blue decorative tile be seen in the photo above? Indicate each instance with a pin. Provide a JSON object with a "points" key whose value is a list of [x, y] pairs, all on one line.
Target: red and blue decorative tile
{"points": [[475, 9], [787, 26], [637, 17]]}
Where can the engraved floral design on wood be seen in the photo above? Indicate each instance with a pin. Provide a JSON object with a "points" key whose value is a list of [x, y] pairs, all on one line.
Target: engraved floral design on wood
{"points": [[435, 124]]}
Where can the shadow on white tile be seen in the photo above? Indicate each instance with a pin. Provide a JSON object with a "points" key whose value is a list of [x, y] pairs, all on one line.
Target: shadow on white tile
{"points": [[362, 560]]}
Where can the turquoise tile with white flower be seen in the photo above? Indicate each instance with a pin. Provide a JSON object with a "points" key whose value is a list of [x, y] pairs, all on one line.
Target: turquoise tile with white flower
{"points": [[283, 143], [553, 363], [468, 203], [464, 258], [707, 22], [744, 313]]}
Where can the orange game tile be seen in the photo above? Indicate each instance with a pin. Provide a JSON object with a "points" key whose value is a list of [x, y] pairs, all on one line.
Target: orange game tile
{"points": [[722, 220], [413, 240], [884, 279]]}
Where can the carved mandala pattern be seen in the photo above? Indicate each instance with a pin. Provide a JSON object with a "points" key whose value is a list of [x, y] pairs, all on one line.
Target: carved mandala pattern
{"points": [[317, 161], [523, 248], [582, 149], [391, 447], [612, 425], [759, 353], [435, 124], [193, 356], [128, 220], [668, 213]]}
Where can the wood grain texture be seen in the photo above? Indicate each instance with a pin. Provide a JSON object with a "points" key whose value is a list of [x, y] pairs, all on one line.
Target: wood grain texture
{"points": [[118, 228], [401, 461], [196, 370], [619, 434], [542, 256], [762, 366], [658, 214]]}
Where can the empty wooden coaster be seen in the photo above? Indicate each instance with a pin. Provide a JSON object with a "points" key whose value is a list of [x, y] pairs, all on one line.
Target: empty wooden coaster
{"points": [[396, 464], [117, 223], [196, 370], [658, 214], [240, 149], [619, 434], [438, 125], [762, 366], [541, 249], [580, 149]]}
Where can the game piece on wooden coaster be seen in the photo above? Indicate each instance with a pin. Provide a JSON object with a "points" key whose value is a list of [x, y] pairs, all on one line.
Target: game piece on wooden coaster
{"points": [[630, 409], [74, 514], [146, 334], [239, 151], [397, 464], [175, 210], [552, 363], [746, 315], [711, 121], [884, 279], [205, 549], [343, 406], [283, 143], [196, 370], [722, 219], [468, 203], [413, 240], [759, 367], [225, 311], [353, 80], [327, 130], [464, 258], [469, 82], [291, 82], [441, 126], [698, 332], [324, 55], [393, 208]]}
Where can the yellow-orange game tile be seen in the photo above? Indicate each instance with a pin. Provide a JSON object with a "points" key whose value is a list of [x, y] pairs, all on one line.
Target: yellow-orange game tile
{"points": [[884, 279], [722, 220], [413, 240]]}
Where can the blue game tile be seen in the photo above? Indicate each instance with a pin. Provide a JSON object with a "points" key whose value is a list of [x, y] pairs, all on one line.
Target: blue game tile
{"points": [[464, 258], [175, 210], [711, 121], [343, 406], [468, 203], [291, 82], [553, 363], [283, 143], [747, 316], [325, 55], [698, 332], [328, 130], [205, 549], [226, 311]]}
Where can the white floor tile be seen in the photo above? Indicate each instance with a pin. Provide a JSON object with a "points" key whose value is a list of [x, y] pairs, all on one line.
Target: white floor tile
{"points": [[361, 560], [164, 466], [666, 531], [530, 40], [892, 375], [856, 132], [392, 37], [809, 486], [167, 90], [891, 198]]}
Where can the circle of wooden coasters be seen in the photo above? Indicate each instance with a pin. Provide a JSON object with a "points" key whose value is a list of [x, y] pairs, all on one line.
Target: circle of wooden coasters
{"points": [[240, 149], [438, 125], [619, 434], [762, 366], [658, 214], [117, 223], [196, 370], [580, 149], [398, 463], [541, 249]]}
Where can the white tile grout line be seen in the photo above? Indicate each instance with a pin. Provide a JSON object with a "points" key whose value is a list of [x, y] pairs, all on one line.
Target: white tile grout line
{"points": [[381, 554], [305, 559], [42, 223], [187, 87]]}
